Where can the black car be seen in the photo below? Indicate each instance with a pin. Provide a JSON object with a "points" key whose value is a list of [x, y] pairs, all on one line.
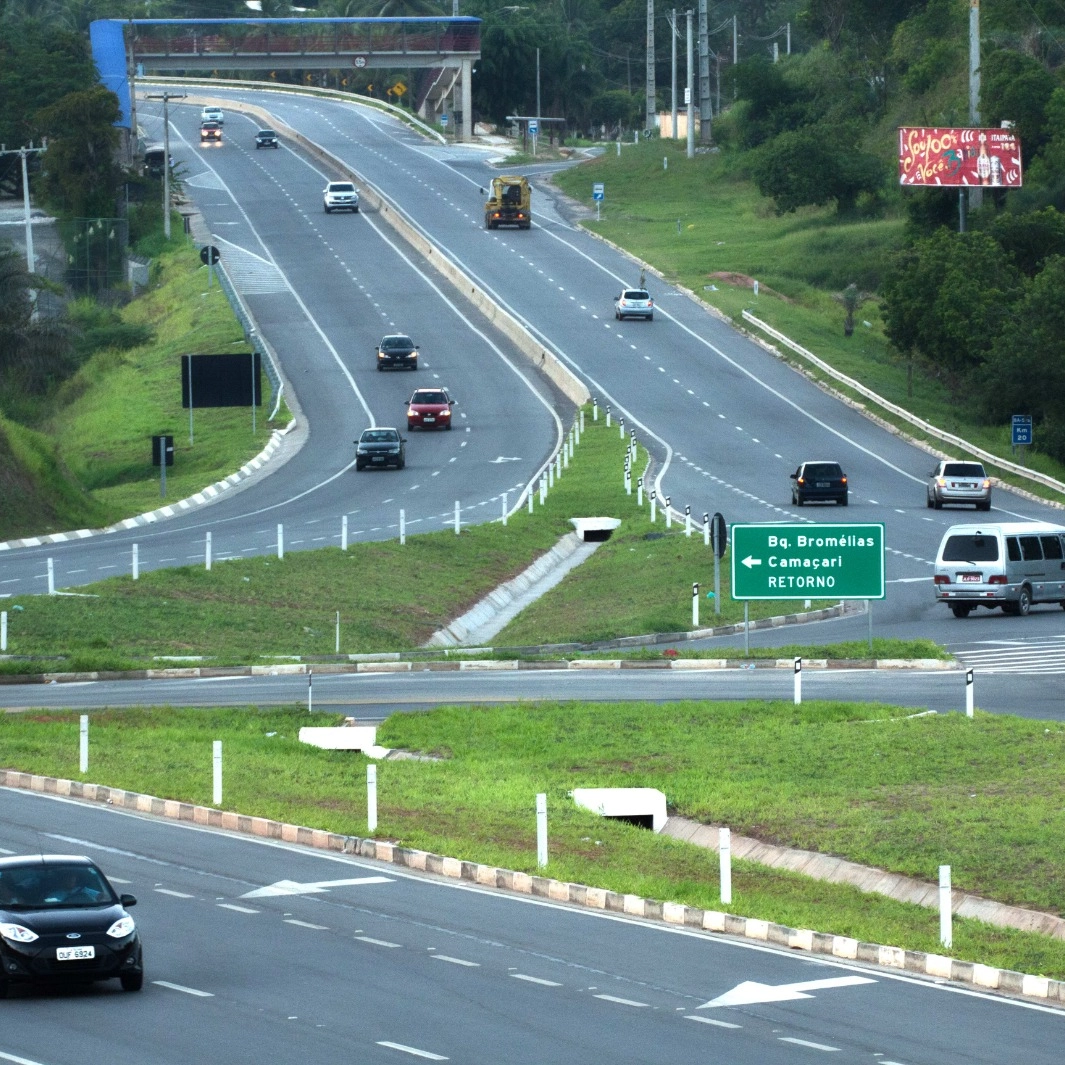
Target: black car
{"points": [[380, 447], [62, 921], [819, 481], [397, 351], [266, 138]]}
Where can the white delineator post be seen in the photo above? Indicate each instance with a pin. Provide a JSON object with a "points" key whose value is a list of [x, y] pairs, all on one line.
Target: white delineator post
{"points": [[136, 562], [207, 552], [968, 693], [504, 509], [371, 798], [798, 681], [706, 530], [83, 743], [338, 633], [310, 690], [687, 520], [639, 491], [541, 830], [654, 506], [344, 533], [946, 936], [457, 510], [51, 577], [669, 512], [216, 796], [3, 630], [695, 604], [724, 856], [402, 527]]}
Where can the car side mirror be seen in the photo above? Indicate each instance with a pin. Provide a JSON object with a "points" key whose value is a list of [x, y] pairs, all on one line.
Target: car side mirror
{"points": [[794, 476], [128, 900], [452, 402]]}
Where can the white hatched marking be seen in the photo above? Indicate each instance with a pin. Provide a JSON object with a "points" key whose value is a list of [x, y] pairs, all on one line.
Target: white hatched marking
{"points": [[621, 1001], [411, 1050], [536, 980], [249, 272], [807, 1043], [184, 990]]}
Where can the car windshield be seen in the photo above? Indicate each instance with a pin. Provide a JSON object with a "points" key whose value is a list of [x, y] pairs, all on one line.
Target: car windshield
{"points": [[970, 547], [636, 294], [45, 887], [380, 436], [394, 343], [429, 397], [823, 470], [963, 469], [267, 133], [341, 186]]}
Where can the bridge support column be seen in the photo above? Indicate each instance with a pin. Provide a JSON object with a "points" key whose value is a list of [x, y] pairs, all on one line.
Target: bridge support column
{"points": [[467, 101]]}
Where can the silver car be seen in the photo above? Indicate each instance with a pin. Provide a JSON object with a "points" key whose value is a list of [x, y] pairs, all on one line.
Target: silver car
{"points": [[340, 196], [634, 303], [954, 481]]}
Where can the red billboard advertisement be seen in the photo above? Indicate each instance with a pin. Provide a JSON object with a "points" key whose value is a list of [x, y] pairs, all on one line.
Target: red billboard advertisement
{"points": [[959, 157]]}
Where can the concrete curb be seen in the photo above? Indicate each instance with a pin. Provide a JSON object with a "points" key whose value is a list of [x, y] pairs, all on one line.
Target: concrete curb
{"points": [[387, 664], [985, 977]]}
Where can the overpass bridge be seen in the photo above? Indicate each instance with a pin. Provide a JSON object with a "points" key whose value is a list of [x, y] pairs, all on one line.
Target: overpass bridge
{"points": [[444, 49]]}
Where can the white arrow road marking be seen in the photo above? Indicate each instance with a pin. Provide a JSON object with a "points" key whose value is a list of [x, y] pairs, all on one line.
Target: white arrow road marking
{"points": [[751, 992], [750, 561], [504, 458], [290, 887]]}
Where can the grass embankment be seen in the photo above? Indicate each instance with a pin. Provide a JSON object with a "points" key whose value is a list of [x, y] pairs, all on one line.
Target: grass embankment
{"points": [[864, 782], [246, 610], [700, 222], [91, 463]]}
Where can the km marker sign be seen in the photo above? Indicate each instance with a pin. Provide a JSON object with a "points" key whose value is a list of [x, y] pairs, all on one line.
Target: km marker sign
{"points": [[808, 561]]}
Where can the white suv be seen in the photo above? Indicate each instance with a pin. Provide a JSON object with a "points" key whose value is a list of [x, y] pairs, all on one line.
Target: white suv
{"points": [[212, 114], [340, 196]]}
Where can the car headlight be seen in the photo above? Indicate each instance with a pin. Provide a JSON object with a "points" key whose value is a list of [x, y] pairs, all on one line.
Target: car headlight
{"points": [[122, 927], [17, 933], [445, 414]]}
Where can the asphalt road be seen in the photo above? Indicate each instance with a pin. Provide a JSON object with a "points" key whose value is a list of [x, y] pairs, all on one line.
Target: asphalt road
{"points": [[258, 951]]}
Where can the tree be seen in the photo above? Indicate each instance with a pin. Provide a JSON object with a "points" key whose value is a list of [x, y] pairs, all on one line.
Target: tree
{"points": [[1030, 239], [812, 167], [949, 297], [1017, 88], [80, 168]]}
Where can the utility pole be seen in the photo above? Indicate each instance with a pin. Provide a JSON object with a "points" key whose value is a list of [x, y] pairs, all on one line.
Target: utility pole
{"points": [[705, 124], [975, 196], [652, 103], [673, 101], [166, 97], [31, 259], [691, 89]]}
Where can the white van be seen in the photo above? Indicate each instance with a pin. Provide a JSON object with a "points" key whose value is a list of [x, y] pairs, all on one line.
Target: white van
{"points": [[1011, 565]]}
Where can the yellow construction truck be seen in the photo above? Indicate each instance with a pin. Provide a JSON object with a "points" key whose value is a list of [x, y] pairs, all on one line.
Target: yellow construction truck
{"points": [[508, 204]]}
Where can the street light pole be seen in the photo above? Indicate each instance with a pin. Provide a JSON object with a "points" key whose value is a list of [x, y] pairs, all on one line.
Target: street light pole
{"points": [[166, 97]]}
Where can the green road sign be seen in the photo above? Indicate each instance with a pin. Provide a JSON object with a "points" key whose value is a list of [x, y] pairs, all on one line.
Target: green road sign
{"points": [[843, 561]]}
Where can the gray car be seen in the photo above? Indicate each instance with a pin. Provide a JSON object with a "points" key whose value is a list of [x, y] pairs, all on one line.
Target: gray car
{"points": [[954, 481], [634, 303]]}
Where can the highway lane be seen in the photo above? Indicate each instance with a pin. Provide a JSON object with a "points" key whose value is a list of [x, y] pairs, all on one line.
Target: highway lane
{"points": [[258, 951], [324, 290], [371, 697], [726, 421]]}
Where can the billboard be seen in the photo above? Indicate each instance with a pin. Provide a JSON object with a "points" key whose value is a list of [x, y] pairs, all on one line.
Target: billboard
{"points": [[221, 380], [947, 157]]}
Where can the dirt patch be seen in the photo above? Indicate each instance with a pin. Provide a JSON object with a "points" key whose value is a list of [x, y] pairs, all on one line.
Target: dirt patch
{"points": [[726, 277]]}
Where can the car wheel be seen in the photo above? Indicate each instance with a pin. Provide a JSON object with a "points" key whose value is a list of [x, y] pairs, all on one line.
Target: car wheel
{"points": [[928, 501], [401, 464], [984, 506], [937, 503], [359, 466], [3, 988], [1024, 602], [132, 981], [960, 611], [327, 210], [797, 499], [354, 210], [650, 317], [843, 500], [448, 427]]}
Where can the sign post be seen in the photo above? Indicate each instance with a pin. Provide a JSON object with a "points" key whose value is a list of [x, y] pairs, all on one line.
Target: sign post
{"points": [[844, 561], [597, 195]]}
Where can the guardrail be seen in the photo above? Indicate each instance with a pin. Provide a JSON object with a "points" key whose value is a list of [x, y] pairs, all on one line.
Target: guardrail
{"points": [[900, 412]]}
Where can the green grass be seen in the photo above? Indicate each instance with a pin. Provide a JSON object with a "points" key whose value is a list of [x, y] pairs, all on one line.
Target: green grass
{"points": [[91, 463], [868, 783], [244, 610]]}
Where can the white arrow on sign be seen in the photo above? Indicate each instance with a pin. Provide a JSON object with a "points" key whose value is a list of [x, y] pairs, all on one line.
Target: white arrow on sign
{"points": [[291, 887], [505, 458], [750, 561], [751, 992]]}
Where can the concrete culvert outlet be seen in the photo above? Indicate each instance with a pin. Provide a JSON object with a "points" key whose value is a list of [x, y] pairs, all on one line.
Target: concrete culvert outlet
{"points": [[594, 529]]}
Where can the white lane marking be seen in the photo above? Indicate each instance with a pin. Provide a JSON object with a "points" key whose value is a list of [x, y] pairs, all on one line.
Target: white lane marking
{"points": [[184, 990], [411, 1050], [721, 1024], [17, 1060], [176, 894], [237, 909], [457, 961], [807, 1043], [536, 980], [306, 924], [292, 887], [376, 942], [621, 1001]]}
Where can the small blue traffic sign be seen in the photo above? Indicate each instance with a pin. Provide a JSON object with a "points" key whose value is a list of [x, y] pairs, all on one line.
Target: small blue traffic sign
{"points": [[597, 190], [534, 127], [1022, 429]]}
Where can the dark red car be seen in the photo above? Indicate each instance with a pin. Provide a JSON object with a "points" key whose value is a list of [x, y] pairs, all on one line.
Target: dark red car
{"points": [[429, 408]]}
